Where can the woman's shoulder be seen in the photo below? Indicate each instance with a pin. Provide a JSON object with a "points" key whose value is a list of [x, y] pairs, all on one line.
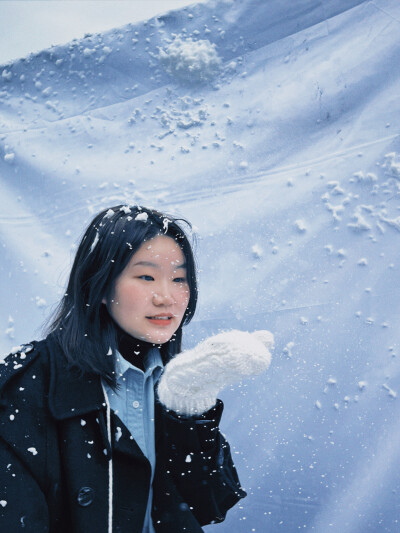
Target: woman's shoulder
{"points": [[24, 386], [24, 359]]}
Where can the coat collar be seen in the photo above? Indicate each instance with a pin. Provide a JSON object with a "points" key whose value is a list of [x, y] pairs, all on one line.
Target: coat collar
{"points": [[71, 394]]}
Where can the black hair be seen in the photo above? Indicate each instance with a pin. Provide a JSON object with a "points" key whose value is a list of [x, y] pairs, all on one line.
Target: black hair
{"points": [[81, 323]]}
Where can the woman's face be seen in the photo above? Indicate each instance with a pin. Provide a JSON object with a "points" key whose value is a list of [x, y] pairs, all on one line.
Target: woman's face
{"points": [[152, 293]]}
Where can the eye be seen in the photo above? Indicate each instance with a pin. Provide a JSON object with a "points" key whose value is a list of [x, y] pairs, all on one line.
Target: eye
{"points": [[179, 280], [146, 277]]}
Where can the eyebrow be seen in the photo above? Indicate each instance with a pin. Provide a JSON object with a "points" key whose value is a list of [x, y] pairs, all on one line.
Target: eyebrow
{"points": [[155, 265]]}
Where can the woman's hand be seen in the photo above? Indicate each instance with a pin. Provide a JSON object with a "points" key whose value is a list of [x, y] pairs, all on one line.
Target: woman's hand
{"points": [[192, 380]]}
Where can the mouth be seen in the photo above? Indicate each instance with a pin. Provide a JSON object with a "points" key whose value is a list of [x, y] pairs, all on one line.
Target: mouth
{"points": [[160, 320]]}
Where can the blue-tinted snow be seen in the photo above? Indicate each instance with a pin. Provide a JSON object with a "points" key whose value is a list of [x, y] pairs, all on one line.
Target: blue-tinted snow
{"points": [[287, 162]]}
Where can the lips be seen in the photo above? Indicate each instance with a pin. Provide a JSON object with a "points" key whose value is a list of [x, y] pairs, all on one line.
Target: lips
{"points": [[160, 320]]}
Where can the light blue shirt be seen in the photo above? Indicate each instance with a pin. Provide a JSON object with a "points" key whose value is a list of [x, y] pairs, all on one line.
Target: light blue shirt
{"points": [[134, 404]]}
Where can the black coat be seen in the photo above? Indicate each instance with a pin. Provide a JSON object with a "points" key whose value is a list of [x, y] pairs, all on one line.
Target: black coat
{"points": [[55, 457]]}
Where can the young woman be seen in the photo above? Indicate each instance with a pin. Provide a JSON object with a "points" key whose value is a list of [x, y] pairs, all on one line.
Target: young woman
{"points": [[91, 438]]}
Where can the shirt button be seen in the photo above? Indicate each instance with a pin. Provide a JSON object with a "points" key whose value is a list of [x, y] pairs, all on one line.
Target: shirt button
{"points": [[135, 404]]}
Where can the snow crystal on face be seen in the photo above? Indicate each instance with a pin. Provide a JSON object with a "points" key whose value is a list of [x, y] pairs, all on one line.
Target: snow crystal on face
{"points": [[32, 450], [142, 217], [189, 60]]}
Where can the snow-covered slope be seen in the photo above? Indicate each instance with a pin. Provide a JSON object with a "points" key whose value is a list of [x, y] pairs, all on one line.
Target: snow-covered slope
{"points": [[272, 126]]}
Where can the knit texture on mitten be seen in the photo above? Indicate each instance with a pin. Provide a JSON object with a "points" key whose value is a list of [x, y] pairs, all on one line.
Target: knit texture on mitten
{"points": [[192, 380]]}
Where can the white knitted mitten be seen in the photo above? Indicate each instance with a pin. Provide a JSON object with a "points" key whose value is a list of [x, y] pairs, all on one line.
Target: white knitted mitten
{"points": [[192, 379]]}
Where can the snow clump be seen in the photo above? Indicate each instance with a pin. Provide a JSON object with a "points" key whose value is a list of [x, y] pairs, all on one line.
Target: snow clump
{"points": [[257, 251], [300, 226], [189, 60], [109, 214], [142, 217], [9, 158], [40, 302], [287, 350], [391, 165], [6, 75], [88, 52]]}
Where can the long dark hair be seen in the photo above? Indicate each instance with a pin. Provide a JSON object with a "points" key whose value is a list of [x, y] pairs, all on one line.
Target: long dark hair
{"points": [[81, 323]]}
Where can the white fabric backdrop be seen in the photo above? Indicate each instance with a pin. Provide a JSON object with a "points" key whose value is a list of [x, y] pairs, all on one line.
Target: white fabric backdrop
{"points": [[286, 158]]}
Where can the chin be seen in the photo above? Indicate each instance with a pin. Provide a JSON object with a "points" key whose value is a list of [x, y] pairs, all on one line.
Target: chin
{"points": [[163, 339], [160, 338]]}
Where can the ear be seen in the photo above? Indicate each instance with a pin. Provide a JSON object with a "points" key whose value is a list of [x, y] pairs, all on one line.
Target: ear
{"points": [[104, 301]]}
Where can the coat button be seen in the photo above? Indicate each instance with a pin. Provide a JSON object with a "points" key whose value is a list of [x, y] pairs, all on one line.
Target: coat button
{"points": [[85, 496]]}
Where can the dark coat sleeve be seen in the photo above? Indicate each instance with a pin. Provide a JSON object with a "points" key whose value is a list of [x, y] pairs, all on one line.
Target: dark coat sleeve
{"points": [[23, 506], [199, 461]]}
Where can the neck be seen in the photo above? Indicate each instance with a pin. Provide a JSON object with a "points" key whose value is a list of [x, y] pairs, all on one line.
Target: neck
{"points": [[132, 349]]}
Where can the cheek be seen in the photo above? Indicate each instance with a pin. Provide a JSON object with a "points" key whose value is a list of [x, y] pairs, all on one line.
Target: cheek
{"points": [[183, 298], [128, 295]]}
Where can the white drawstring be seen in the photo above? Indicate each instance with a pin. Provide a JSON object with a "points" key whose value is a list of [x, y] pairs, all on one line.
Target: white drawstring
{"points": [[110, 466]]}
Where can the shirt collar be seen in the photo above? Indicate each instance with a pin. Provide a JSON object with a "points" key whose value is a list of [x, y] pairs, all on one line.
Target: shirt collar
{"points": [[152, 361]]}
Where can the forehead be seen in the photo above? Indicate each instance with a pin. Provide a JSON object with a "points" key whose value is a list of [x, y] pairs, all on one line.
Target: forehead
{"points": [[160, 248]]}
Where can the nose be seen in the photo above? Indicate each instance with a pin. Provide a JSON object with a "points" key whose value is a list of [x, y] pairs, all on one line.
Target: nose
{"points": [[163, 298]]}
